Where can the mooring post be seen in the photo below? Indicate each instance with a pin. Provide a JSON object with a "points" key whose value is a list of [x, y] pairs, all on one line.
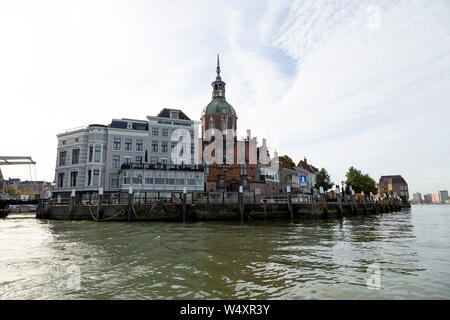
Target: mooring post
{"points": [[339, 200], [291, 211], [71, 204], [99, 202], [130, 200], [241, 202], [364, 202], [184, 204]]}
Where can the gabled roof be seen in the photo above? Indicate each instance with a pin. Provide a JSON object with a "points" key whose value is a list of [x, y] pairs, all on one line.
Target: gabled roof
{"points": [[165, 113], [303, 164], [285, 164], [393, 179]]}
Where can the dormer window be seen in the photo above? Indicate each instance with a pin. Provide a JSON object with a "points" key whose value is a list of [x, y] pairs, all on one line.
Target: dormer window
{"points": [[174, 115], [129, 125]]}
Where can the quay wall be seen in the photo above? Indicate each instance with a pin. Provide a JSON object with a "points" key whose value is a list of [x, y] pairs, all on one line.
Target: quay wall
{"points": [[212, 212]]}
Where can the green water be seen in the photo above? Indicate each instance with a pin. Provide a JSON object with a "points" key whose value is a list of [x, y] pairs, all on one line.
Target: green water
{"points": [[258, 260]]}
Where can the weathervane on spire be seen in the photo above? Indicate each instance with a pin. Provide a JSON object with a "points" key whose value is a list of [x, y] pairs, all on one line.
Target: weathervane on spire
{"points": [[218, 68]]}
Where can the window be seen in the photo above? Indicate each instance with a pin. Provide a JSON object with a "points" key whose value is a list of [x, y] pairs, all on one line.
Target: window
{"points": [[128, 144], [139, 159], [127, 160], [61, 180], [155, 146], [211, 124], [173, 144], [98, 150], [64, 142], [114, 181], [148, 178], [137, 179], [126, 178], [75, 156], [182, 148], [76, 139], [180, 182], [89, 179], [62, 158], [165, 132], [73, 178], [96, 177], [174, 115], [154, 160], [116, 162], [91, 153], [116, 143], [155, 131], [163, 160], [243, 170], [139, 145], [164, 146]]}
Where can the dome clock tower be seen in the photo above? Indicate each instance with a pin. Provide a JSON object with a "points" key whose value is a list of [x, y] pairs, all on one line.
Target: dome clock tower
{"points": [[218, 114]]}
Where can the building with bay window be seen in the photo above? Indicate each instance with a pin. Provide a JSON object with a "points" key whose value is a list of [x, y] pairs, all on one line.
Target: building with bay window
{"points": [[117, 155]]}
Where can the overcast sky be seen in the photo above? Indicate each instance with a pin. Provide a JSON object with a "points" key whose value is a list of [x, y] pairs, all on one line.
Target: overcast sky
{"points": [[342, 83]]}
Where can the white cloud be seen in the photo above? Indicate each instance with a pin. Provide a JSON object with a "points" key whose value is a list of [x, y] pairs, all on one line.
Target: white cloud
{"points": [[311, 72]]}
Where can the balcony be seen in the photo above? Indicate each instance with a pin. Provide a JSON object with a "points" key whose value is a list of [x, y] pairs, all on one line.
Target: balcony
{"points": [[159, 166]]}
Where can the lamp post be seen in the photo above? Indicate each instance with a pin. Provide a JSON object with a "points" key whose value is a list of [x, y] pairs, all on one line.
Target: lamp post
{"points": [[184, 203], [130, 199]]}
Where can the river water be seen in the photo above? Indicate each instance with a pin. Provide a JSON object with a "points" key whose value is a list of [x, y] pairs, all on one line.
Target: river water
{"points": [[310, 259]]}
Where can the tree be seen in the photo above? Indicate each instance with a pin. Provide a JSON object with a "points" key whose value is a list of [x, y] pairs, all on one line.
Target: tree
{"points": [[12, 190], [323, 180], [359, 182], [289, 160]]}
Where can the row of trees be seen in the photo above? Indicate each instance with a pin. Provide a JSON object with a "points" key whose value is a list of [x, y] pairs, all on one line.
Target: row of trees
{"points": [[354, 177]]}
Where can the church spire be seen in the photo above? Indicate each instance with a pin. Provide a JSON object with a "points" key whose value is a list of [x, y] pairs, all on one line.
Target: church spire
{"points": [[218, 85], [218, 69]]}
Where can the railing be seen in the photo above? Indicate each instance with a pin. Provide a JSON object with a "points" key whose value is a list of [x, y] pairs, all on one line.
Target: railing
{"points": [[149, 198], [137, 165], [8, 197]]}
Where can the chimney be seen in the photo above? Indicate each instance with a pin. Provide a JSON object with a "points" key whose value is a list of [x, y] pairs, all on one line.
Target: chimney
{"points": [[306, 162], [248, 134]]}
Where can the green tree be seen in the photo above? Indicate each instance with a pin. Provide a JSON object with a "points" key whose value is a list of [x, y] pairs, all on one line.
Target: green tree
{"points": [[359, 182], [12, 190], [288, 159], [323, 180]]}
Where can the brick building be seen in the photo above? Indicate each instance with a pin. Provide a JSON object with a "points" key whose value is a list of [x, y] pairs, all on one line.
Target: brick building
{"points": [[395, 184]]}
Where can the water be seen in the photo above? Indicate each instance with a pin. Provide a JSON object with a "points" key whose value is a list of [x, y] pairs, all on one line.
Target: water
{"points": [[274, 260]]}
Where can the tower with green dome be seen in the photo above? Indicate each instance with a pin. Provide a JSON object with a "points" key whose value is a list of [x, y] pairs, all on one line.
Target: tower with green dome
{"points": [[218, 114]]}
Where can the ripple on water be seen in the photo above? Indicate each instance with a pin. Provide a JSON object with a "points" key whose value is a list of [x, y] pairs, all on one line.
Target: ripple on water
{"points": [[273, 260]]}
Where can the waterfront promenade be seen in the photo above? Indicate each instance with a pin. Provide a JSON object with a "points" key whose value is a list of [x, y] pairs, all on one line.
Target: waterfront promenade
{"points": [[201, 206]]}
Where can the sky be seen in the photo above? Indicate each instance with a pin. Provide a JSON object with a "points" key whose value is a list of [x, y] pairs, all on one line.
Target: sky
{"points": [[342, 83]]}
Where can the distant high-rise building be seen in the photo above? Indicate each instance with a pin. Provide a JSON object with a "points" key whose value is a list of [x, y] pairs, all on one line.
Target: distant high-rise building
{"points": [[417, 197], [435, 198], [443, 196], [427, 198]]}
